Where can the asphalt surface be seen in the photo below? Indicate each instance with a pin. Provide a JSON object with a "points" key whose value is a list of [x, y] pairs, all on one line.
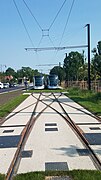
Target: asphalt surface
{"points": [[5, 90]]}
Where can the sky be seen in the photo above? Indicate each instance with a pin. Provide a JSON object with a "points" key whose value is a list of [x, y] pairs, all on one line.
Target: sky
{"points": [[49, 23]]}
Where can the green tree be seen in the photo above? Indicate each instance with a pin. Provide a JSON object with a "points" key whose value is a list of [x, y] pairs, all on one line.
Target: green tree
{"points": [[96, 63], [12, 75], [36, 72], [83, 72], [72, 64], [58, 71], [27, 72], [99, 47], [10, 72]]}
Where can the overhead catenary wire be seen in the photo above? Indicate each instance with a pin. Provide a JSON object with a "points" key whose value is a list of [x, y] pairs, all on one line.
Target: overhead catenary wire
{"points": [[37, 20], [47, 35], [67, 21], [58, 49], [44, 30], [23, 23], [32, 15], [57, 14], [40, 41], [51, 41], [47, 30], [73, 35]]}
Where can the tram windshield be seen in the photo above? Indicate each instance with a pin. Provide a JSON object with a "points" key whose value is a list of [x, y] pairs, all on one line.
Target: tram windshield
{"points": [[38, 81], [53, 80]]}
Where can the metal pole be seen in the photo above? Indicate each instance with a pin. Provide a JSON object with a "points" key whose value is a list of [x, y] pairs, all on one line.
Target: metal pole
{"points": [[89, 79]]}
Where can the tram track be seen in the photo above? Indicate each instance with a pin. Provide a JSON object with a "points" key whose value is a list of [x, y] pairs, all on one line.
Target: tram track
{"points": [[90, 114], [29, 126], [78, 132], [12, 170], [17, 112]]}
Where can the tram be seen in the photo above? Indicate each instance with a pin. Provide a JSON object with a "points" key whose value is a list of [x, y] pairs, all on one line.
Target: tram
{"points": [[38, 82], [52, 82]]}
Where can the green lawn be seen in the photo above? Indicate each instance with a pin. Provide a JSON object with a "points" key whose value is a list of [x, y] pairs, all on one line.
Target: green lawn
{"points": [[10, 105], [2, 177], [46, 90], [75, 175], [90, 100]]}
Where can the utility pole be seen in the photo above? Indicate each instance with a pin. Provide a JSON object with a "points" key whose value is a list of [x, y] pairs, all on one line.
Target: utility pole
{"points": [[88, 36]]}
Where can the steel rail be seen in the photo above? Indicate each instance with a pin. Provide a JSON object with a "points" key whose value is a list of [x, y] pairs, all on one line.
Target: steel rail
{"points": [[26, 131], [4, 120], [11, 169], [90, 114], [24, 136], [79, 132]]}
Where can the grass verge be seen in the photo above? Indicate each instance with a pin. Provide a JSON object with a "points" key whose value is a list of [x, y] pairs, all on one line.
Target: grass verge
{"points": [[85, 175], [2, 177], [74, 175], [88, 99], [46, 91], [10, 105]]}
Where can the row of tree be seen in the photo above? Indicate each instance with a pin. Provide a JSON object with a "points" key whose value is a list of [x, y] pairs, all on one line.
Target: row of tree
{"points": [[24, 72], [75, 67]]}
